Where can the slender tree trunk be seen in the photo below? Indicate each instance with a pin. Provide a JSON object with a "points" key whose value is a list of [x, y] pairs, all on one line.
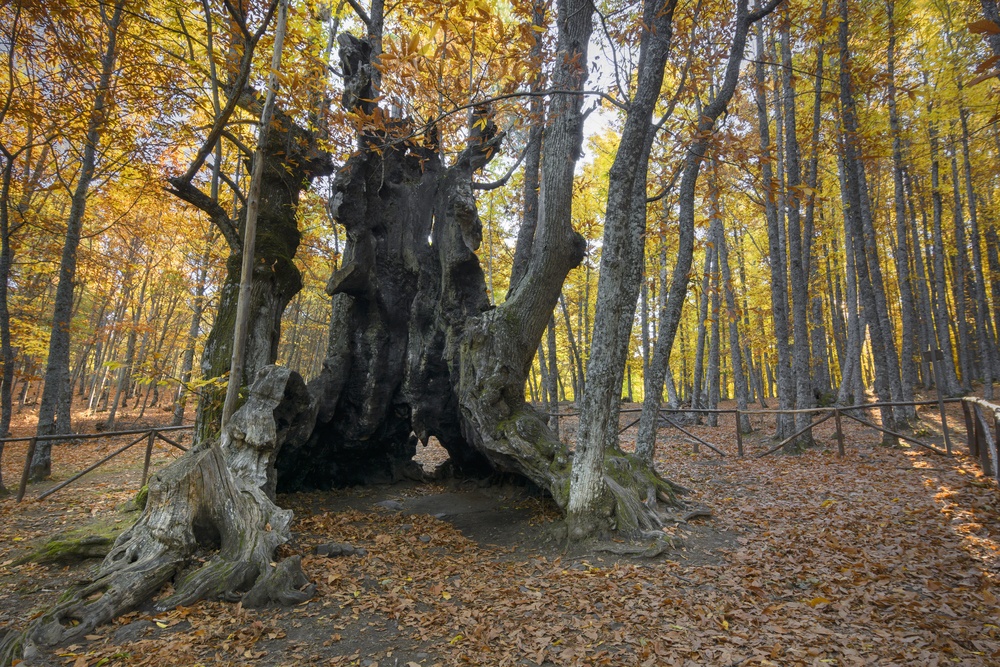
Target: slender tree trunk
{"points": [[580, 385], [753, 369], [697, 393], [553, 379], [125, 372], [908, 366], [836, 308], [6, 349], [197, 309], [993, 260], [820, 370], [532, 162], [57, 370], [543, 384], [942, 320], [732, 314], [797, 250], [850, 362], [779, 285], [672, 399], [925, 311], [960, 285], [985, 337], [670, 313], [870, 285], [644, 320], [714, 348], [591, 496]]}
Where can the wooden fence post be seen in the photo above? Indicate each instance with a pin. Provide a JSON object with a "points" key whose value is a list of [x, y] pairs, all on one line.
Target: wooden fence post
{"points": [[981, 445], [149, 454], [27, 469], [970, 438], [739, 435], [840, 434]]}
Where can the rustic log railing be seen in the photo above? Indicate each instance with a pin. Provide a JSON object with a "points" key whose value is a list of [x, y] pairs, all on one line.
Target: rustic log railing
{"points": [[835, 412], [982, 422], [150, 435], [982, 425]]}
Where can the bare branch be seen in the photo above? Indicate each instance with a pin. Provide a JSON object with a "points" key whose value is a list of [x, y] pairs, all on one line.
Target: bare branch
{"points": [[763, 11], [185, 191], [360, 11], [502, 181]]}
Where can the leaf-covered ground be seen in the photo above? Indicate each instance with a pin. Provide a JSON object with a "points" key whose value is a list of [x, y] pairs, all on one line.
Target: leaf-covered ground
{"points": [[888, 557]]}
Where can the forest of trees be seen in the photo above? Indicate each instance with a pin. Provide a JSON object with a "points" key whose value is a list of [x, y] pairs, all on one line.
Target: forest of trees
{"points": [[463, 210]]}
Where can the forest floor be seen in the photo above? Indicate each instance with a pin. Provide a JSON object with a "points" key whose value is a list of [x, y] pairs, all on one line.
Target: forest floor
{"points": [[888, 556]]}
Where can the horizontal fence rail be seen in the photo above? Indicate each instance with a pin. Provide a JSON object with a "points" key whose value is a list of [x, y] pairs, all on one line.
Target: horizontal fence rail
{"points": [[834, 412], [150, 435], [982, 421]]}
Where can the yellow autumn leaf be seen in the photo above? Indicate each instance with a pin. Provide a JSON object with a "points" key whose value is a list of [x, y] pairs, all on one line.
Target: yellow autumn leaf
{"points": [[827, 502]]}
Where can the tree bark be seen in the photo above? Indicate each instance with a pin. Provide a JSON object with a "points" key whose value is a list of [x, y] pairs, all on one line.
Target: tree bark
{"points": [[926, 312], [732, 314], [197, 310], [125, 372], [220, 495], [57, 369], [698, 384], [670, 312], [960, 286], [532, 162], [553, 383], [908, 366], [871, 286], [820, 369], [575, 357], [797, 250], [940, 288], [715, 346], [779, 283], [851, 391], [985, 337]]}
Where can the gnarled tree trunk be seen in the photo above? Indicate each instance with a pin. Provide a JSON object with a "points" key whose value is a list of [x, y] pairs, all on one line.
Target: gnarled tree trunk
{"points": [[218, 497], [291, 161]]}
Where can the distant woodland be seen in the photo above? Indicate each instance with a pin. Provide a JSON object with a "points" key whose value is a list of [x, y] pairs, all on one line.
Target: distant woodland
{"points": [[803, 218]]}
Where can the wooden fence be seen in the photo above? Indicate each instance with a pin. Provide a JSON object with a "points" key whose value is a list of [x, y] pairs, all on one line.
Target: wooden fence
{"points": [[837, 413], [150, 435], [982, 426]]}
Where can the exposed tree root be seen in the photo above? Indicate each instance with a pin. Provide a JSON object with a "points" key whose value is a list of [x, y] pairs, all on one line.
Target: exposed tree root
{"points": [[215, 497], [515, 438]]}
